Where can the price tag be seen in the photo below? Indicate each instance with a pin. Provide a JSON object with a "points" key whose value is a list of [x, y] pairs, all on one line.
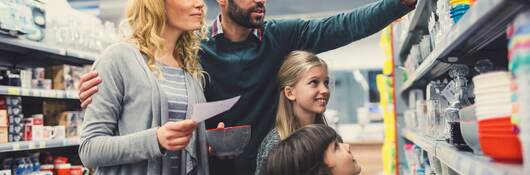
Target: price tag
{"points": [[31, 145], [13, 91], [25, 92], [73, 94], [42, 144], [36, 93], [60, 94], [52, 94], [62, 51], [16, 146]]}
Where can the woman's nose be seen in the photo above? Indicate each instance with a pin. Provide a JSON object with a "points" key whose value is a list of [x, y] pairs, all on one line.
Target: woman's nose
{"points": [[199, 3], [324, 89]]}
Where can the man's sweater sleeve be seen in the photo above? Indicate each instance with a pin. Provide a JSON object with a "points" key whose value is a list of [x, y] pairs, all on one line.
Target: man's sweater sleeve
{"points": [[320, 35]]}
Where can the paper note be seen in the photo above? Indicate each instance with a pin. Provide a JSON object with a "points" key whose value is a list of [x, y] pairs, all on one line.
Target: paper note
{"points": [[203, 111]]}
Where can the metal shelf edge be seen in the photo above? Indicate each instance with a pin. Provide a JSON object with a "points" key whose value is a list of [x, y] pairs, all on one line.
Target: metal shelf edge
{"points": [[35, 145]]}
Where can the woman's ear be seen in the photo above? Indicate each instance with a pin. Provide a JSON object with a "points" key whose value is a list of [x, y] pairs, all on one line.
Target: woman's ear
{"points": [[288, 91]]}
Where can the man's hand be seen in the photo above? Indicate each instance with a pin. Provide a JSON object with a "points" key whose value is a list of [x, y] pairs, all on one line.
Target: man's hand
{"points": [[88, 87]]}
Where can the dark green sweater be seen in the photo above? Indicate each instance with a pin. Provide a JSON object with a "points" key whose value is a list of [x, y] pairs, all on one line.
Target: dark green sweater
{"points": [[249, 68]]}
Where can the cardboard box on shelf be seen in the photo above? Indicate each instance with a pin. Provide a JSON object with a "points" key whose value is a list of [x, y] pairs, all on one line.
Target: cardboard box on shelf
{"points": [[39, 73], [3, 102], [66, 77], [10, 77], [41, 84], [13, 101], [4, 135], [16, 137], [25, 78], [72, 122], [52, 111], [3, 118]]}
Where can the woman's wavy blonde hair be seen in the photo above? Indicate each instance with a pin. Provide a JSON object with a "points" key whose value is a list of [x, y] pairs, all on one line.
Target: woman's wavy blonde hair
{"points": [[296, 64], [147, 20]]}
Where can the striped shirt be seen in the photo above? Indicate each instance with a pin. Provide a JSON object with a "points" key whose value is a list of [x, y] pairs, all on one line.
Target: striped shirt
{"points": [[173, 84]]}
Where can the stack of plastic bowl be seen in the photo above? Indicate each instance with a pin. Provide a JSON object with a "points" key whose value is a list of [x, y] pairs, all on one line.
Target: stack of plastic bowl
{"points": [[469, 128], [519, 56], [493, 100], [458, 8]]}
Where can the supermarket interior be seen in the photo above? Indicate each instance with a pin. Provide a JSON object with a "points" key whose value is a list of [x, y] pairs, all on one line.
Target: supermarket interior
{"points": [[334, 87]]}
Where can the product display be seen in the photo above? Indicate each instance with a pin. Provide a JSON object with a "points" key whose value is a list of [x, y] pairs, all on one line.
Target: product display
{"points": [[41, 164], [23, 18], [519, 56], [470, 98], [65, 77]]}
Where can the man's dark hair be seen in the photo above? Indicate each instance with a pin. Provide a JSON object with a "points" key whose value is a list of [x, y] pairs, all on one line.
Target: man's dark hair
{"points": [[302, 153]]}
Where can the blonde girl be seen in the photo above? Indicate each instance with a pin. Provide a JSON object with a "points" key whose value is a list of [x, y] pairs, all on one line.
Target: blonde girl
{"points": [[304, 94]]}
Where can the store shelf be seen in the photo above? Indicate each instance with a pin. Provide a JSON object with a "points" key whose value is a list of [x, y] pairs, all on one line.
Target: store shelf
{"points": [[42, 93], [485, 22], [426, 144], [462, 162], [417, 26], [35, 145], [21, 46]]}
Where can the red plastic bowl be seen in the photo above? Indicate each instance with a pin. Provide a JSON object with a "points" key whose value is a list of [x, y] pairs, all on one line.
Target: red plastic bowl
{"points": [[505, 120], [503, 148], [508, 130]]}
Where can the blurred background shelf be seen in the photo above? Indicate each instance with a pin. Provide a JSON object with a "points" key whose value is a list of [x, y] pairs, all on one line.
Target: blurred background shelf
{"points": [[43, 93], [20, 52], [35, 145], [417, 27]]}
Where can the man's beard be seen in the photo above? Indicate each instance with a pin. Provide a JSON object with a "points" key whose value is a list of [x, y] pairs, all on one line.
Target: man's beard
{"points": [[242, 17]]}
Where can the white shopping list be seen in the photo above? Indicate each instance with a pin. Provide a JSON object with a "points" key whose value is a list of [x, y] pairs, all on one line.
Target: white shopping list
{"points": [[203, 111]]}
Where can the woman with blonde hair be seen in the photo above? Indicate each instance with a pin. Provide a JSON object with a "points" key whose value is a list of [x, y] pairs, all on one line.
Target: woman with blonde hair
{"points": [[138, 122], [304, 94]]}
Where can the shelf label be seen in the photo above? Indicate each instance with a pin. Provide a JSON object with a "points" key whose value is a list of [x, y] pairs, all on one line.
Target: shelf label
{"points": [[13, 91], [52, 93], [60, 94], [62, 51], [42, 144], [31, 145], [16, 146], [25, 92], [466, 167], [36, 93]]}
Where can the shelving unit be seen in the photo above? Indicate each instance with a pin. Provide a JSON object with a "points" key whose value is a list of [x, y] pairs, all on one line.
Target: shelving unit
{"points": [[480, 26], [461, 162], [31, 50], [417, 25], [42, 93], [35, 145], [480, 34], [19, 53]]}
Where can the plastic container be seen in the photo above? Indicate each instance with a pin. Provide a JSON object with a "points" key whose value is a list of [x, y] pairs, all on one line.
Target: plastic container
{"points": [[499, 120], [525, 139], [498, 140], [504, 148], [469, 128], [229, 141]]}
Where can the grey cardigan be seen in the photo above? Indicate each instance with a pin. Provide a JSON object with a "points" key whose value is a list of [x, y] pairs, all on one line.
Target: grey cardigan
{"points": [[119, 127]]}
